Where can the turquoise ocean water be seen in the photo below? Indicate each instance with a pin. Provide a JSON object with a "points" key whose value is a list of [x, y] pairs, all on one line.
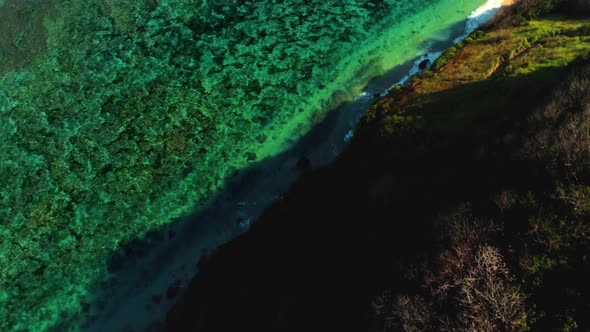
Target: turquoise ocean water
{"points": [[120, 115]]}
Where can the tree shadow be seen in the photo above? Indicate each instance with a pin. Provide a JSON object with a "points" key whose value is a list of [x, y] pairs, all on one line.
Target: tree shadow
{"points": [[315, 259]]}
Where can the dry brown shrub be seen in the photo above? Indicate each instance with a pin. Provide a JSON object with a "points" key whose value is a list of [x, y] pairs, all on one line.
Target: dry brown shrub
{"points": [[561, 134], [504, 200], [403, 312], [488, 301], [467, 289]]}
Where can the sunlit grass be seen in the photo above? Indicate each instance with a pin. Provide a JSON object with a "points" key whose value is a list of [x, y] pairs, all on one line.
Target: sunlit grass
{"points": [[485, 72]]}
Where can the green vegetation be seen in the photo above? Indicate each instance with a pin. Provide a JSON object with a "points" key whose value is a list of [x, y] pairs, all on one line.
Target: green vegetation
{"points": [[478, 69], [448, 54]]}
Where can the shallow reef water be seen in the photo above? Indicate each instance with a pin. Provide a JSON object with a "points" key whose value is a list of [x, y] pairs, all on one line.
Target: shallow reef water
{"points": [[118, 116]]}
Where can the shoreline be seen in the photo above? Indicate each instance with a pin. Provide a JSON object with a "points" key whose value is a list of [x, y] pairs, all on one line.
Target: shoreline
{"points": [[225, 213], [478, 18]]}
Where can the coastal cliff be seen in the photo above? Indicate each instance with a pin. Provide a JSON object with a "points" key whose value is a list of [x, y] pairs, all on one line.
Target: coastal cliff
{"points": [[461, 203]]}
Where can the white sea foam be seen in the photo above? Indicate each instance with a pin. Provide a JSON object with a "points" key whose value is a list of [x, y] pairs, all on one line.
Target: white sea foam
{"points": [[479, 17], [362, 96]]}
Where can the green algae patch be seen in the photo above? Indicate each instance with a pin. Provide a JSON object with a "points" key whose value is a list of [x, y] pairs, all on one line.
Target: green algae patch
{"points": [[132, 113]]}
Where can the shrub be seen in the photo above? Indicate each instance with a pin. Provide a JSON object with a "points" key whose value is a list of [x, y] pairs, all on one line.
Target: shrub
{"points": [[505, 200], [509, 70], [468, 287], [405, 312], [444, 58], [584, 30], [561, 129], [478, 34], [535, 8], [519, 20]]}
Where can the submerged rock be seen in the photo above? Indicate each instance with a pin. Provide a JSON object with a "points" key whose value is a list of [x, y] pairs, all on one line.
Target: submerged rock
{"points": [[424, 64]]}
